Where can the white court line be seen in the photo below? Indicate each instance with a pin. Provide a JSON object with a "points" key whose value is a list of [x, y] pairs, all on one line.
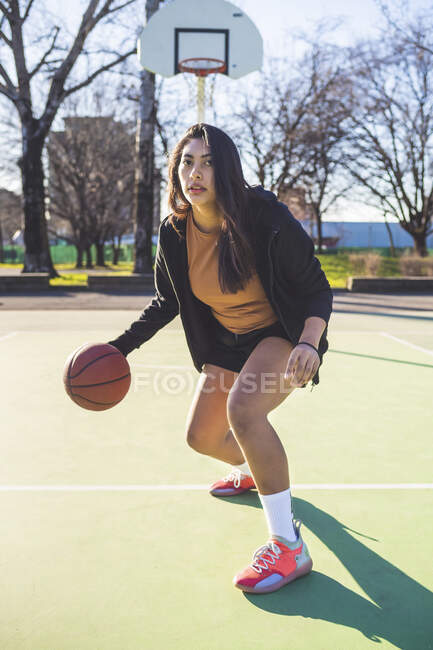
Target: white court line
{"points": [[177, 488], [411, 345], [8, 336]]}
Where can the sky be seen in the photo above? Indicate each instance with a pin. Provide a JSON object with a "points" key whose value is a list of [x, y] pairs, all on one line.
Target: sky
{"points": [[277, 18], [278, 21]]}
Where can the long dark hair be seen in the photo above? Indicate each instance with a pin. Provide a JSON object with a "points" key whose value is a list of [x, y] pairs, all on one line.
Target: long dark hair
{"points": [[236, 260]]}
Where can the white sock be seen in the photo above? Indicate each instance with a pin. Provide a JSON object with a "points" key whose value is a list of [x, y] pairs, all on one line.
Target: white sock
{"points": [[244, 468], [278, 511]]}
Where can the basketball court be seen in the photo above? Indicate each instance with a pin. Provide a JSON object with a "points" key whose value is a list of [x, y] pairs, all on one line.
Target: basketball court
{"points": [[110, 540]]}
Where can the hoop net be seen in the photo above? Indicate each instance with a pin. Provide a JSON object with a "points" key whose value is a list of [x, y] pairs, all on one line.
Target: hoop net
{"points": [[202, 67]]}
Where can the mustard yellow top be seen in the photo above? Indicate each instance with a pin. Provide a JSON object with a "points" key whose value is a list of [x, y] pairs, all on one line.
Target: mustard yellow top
{"points": [[239, 312]]}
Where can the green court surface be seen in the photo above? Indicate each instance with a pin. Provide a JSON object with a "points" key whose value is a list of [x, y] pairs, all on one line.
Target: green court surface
{"points": [[110, 541]]}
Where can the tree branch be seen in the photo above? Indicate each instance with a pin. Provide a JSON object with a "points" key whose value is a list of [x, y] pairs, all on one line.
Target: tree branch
{"points": [[87, 24], [372, 187], [5, 91], [24, 102], [47, 53], [10, 88], [27, 11], [57, 93], [105, 9], [164, 139], [71, 90], [5, 39], [4, 10]]}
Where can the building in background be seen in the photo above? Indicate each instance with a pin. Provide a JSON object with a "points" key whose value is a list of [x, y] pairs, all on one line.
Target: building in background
{"points": [[363, 234]]}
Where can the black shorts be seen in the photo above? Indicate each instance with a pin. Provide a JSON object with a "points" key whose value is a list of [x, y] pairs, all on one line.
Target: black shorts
{"points": [[230, 350]]}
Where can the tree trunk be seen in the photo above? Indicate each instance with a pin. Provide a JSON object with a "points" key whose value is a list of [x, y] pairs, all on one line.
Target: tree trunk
{"points": [[2, 254], [391, 240], [144, 175], [37, 257], [89, 264], [157, 178], [420, 242], [116, 254], [100, 254], [318, 215], [79, 263], [143, 184]]}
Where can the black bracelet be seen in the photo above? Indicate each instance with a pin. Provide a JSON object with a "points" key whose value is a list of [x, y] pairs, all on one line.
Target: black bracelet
{"points": [[310, 344]]}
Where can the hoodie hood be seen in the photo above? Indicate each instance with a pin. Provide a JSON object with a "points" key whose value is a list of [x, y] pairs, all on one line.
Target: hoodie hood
{"points": [[267, 210], [260, 192]]}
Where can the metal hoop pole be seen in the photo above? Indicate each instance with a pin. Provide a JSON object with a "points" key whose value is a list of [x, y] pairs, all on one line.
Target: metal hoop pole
{"points": [[201, 81]]}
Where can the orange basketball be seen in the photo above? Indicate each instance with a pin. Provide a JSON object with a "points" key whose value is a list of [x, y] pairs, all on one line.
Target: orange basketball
{"points": [[96, 376]]}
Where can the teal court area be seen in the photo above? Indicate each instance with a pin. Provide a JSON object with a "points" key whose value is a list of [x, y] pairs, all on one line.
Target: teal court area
{"points": [[110, 541]]}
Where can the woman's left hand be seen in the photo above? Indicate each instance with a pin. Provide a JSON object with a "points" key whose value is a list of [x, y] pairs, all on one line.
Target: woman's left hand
{"points": [[302, 366]]}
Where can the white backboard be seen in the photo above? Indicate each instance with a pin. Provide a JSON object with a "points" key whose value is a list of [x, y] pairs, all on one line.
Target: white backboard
{"points": [[200, 28]]}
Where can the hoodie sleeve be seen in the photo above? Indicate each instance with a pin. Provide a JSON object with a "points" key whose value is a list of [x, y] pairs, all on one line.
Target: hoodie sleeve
{"points": [[163, 308], [301, 271]]}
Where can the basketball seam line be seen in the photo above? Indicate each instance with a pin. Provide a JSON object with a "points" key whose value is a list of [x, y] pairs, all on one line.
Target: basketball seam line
{"points": [[108, 354], [68, 376], [102, 383], [92, 401], [74, 356]]}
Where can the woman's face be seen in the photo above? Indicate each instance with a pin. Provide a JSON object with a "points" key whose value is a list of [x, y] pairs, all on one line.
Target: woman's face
{"points": [[196, 171]]}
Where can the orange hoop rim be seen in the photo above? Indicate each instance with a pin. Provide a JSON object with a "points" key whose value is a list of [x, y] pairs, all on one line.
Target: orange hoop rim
{"points": [[202, 72]]}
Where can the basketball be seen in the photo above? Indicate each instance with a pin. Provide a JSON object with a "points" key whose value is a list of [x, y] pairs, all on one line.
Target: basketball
{"points": [[96, 376]]}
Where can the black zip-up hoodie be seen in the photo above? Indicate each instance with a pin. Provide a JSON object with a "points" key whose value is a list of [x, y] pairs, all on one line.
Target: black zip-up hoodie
{"points": [[292, 279]]}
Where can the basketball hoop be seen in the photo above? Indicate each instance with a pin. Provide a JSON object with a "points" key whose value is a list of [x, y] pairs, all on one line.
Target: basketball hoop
{"points": [[201, 67]]}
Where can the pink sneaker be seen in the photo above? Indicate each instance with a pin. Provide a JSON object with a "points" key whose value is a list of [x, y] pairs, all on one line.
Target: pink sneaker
{"points": [[234, 483], [275, 564]]}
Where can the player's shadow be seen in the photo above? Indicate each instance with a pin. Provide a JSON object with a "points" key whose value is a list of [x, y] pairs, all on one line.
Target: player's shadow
{"points": [[401, 611]]}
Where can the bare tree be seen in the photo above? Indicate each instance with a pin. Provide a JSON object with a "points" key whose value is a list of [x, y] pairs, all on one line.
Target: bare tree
{"points": [[269, 124], [324, 131], [390, 152], [410, 33], [53, 68], [91, 182], [293, 129]]}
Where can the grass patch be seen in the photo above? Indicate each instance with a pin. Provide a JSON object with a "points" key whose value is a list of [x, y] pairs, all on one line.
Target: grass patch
{"points": [[79, 276], [69, 279], [339, 266], [123, 268], [336, 268], [390, 267]]}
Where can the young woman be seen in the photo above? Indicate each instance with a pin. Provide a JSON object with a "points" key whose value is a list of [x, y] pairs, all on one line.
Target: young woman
{"points": [[254, 302]]}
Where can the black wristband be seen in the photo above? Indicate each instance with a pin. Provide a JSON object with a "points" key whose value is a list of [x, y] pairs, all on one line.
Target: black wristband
{"points": [[310, 344]]}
